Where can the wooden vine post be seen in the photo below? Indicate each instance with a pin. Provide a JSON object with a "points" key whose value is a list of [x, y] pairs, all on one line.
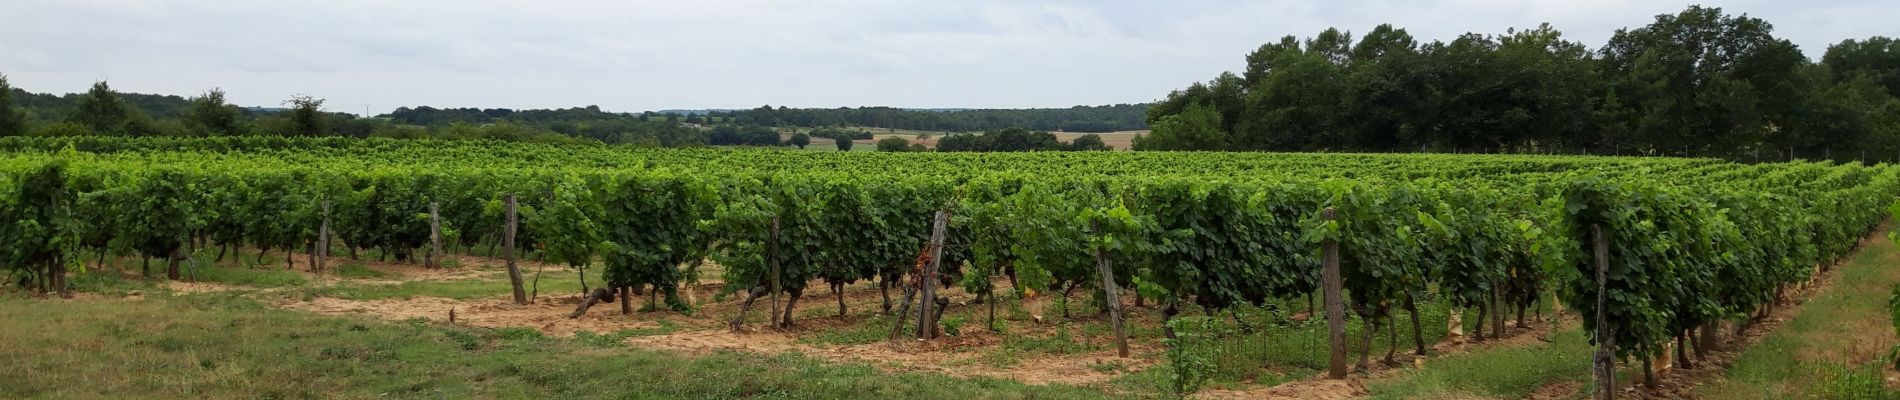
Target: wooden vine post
{"points": [[1105, 267], [508, 244], [1335, 303], [323, 238], [926, 323], [771, 257], [435, 236], [1605, 359]]}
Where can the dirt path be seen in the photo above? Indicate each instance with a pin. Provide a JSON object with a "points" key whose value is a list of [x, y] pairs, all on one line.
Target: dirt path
{"points": [[547, 314], [910, 355], [706, 329]]}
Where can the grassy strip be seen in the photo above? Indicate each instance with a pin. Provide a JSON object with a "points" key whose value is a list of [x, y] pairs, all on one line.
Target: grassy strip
{"points": [[1498, 372], [1826, 347], [262, 278], [1824, 352], [225, 346]]}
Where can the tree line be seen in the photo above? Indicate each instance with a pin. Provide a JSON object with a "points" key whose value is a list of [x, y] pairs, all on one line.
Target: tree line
{"points": [[1108, 118], [1696, 83], [101, 111], [105, 112]]}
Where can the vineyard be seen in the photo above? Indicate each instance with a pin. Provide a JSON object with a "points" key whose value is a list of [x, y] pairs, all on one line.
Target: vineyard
{"points": [[1664, 247]]}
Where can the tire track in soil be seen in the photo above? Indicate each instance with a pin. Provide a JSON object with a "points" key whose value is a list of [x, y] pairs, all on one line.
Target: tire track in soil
{"points": [[547, 314], [906, 355]]}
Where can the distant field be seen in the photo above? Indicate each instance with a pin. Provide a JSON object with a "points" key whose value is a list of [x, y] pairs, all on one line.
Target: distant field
{"points": [[1120, 140]]}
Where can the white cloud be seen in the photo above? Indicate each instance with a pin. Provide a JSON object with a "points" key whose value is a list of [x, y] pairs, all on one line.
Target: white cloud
{"points": [[729, 54]]}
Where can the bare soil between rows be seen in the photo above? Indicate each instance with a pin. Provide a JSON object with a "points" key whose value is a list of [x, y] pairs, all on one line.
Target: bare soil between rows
{"points": [[706, 330]]}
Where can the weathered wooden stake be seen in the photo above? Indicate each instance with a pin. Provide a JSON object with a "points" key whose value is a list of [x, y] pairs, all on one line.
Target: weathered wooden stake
{"points": [[926, 325], [771, 256], [1605, 361], [508, 242], [1106, 269], [435, 237], [1335, 304], [903, 309], [323, 238]]}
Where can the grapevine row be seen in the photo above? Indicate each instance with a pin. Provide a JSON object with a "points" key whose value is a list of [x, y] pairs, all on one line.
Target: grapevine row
{"points": [[1692, 241]]}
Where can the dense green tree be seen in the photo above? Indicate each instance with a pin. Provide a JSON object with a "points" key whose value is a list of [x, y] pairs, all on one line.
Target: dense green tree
{"points": [[1074, 119], [1839, 117], [306, 116], [1198, 127], [1698, 82], [844, 143], [1089, 142], [749, 135], [833, 133], [893, 144], [1704, 82], [800, 139], [1295, 103], [1388, 94], [209, 115], [102, 111], [1554, 83], [1012, 139], [963, 142], [1878, 58], [12, 119], [1855, 101], [1018, 139]]}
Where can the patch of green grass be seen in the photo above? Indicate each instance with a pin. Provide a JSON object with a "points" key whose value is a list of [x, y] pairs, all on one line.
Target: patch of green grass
{"points": [[497, 285], [1154, 379], [1277, 349], [263, 278], [1106, 367], [876, 328], [1805, 357], [231, 347], [1060, 343], [613, 340], [1001, 357], [110, 283], [1498, 372], [1860, 383], [357, 270]]}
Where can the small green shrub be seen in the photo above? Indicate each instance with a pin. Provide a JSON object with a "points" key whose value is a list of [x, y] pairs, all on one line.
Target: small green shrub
{"points": [[1857, 384], [953, 326], [1191, 354]]}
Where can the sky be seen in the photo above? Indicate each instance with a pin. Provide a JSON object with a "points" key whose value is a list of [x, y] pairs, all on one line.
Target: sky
{"points": [[376, 55]]}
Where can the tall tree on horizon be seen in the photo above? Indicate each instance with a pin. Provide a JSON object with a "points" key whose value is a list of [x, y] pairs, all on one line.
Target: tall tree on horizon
{"points": [[1878, 58], [101, 110], [306, 116], [12, 119], [1704, 82], [209, 115]]}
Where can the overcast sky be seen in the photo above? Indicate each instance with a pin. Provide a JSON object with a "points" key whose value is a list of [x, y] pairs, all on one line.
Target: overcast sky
{"points": [[634, 56]]}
